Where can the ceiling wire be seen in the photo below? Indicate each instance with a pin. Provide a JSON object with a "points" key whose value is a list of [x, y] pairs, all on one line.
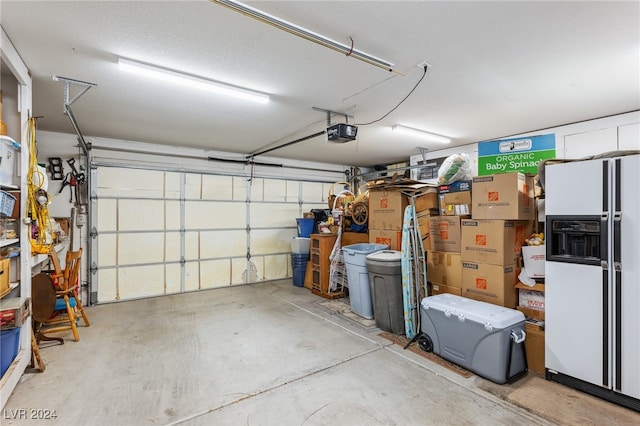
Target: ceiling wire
{"points": [[424, 73]]}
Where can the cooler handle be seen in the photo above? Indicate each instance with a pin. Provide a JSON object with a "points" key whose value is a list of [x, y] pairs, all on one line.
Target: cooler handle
{"points": [[515, 338]]}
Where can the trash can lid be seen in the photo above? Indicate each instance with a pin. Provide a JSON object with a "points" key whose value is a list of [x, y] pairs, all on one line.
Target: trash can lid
{"points": [[386, 256]]}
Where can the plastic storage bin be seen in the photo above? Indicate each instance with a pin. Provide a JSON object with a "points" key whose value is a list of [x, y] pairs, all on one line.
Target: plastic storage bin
{"points": [[305, 226], [299, 267], [385, 278], [9, 345], [358, 277], [300, 245], [484, 338]]}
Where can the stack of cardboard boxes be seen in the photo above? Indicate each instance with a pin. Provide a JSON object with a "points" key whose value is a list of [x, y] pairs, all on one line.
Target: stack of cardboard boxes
{"points": [[386, 211], [444, 261], [502, 218]]}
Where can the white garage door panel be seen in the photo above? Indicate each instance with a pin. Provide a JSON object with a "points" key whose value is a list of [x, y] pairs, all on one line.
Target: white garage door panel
{"points": [[172, 215], [275, 190], [172, 246], [257, 189], [269, 241], [107, 249], [141, 281], [172, 275], [131, 183], [238, 269], [192, 245], [107, 219], [215, 273], [270, 215], [293, 191], [210, 214], [140, 215], [217, 187], [276, 267], [135, 249], [107, 289], [192, 276], [172, 185], [314, 192], [223, 243]]}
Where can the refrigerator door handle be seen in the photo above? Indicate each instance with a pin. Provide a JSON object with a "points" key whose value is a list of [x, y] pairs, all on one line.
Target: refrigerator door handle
{"points": [[617, 241]]}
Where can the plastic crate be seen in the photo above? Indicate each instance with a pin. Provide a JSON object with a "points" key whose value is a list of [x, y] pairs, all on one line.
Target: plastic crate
{"points": [[7, 202]]}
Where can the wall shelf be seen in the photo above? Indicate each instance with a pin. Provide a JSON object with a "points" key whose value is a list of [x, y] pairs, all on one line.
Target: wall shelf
{"points": [[8, 242]]}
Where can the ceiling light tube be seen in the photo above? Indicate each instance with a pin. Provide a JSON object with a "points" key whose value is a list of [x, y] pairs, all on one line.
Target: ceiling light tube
{"points": [[191, 81], [304, 33], [420, 133]]}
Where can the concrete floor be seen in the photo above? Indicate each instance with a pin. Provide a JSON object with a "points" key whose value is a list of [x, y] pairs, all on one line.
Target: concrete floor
{"points": [[267, 354]]}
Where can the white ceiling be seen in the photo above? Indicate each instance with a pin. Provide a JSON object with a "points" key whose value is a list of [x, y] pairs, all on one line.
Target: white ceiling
{"points": [[499, 69]]}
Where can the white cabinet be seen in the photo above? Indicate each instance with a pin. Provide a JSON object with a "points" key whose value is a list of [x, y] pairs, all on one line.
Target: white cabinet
{"points": [[629, 137], [16, 89], [585, 144]]}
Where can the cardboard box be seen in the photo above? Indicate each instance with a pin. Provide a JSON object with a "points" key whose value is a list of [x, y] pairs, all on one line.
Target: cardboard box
{"points": [[439, 289], [490, 283], [444, 233], [392, 238], [455, 203], [457, 186], [534, 257], [386, 209], [444, 268], [507, 196], [534, 347], [498, 242], [427, 201]]}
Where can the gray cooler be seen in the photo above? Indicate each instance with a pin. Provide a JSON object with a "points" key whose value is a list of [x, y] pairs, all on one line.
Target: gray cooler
{"points": [[481, 337]]}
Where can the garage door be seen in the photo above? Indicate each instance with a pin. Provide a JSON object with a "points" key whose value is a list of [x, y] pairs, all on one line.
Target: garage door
{"points": [[164, 232]]}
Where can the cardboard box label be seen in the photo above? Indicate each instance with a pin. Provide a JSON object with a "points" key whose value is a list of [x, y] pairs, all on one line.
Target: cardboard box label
{"points": [[481, 283]]}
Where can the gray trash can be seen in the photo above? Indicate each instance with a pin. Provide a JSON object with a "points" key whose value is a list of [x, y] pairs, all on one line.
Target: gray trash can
{"points": [[358, 276], [385, 277]]}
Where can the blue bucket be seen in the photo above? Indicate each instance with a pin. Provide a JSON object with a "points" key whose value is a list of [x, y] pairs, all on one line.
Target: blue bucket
{"points": [[305, 227]]}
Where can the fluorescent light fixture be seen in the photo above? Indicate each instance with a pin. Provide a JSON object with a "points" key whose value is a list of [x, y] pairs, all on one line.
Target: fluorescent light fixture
{"points": [[420, 133], [191, 81], [304, 33]]}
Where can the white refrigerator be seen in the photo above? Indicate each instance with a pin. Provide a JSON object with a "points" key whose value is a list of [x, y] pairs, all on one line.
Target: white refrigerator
{"points": [[592, 277]]}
